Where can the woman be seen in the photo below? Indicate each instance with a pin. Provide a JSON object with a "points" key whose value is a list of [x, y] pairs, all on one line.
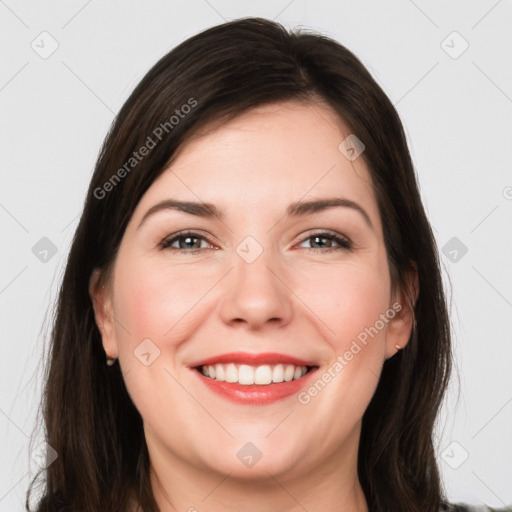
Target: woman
{"points": [[255, 263]]}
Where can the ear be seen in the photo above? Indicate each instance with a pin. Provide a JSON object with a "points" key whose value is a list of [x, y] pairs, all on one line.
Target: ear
{"points": [[401, 325], [101, 297]]}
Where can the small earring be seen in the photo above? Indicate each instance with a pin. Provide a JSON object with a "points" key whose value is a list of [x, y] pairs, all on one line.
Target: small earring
{"points": [[110, 360], [398, 347]]}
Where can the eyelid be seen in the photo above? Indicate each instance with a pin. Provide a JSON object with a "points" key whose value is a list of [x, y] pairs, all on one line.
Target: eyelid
{"points": [[343, 241], [195, 233]]}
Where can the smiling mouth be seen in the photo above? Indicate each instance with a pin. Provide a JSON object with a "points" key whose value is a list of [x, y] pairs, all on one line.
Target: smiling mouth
{"points": [[247, 375]]}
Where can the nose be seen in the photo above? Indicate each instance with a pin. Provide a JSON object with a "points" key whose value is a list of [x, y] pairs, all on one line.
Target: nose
{"points": [[257, 294]]}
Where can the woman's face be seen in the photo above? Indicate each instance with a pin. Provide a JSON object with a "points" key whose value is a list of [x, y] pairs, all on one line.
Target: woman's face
{"points": [[255, 279]]}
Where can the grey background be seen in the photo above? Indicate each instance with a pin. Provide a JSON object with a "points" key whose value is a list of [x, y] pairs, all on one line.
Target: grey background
{"points": [[457, 111]]}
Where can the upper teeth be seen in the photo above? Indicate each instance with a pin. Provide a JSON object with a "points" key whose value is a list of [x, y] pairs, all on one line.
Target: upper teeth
{"points": [[246, 375]]}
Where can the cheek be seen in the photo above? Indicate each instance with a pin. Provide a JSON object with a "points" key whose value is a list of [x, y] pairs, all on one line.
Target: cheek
{"points": [[158, 304], [351, 302], [156, 300], [348, 300]]}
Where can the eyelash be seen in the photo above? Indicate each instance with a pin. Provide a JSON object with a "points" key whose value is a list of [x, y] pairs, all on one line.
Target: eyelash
{"points": [[344, 242]]}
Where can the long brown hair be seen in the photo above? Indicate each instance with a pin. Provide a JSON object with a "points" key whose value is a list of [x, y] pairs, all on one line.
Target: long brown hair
{"points": [[89, 418]]}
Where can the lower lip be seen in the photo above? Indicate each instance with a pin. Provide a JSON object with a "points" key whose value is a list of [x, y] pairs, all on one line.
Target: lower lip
{"points": [[256, 394]]}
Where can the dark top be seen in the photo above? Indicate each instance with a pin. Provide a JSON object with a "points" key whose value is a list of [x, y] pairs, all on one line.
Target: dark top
{"points": [[459, 507]]}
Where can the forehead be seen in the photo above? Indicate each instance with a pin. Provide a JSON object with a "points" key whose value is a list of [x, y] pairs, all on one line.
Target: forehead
{"points": [[273, 153]]}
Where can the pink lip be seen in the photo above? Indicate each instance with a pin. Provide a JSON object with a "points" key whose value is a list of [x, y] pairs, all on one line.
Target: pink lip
{"points": [[252, 359], [256, 394]]}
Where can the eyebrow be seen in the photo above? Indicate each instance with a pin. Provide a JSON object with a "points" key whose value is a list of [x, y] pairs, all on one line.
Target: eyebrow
{"points": [[297, 209]]}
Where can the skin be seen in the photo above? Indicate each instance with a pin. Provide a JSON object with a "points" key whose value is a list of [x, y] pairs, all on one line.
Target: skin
{"points": [[295, 298]]}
